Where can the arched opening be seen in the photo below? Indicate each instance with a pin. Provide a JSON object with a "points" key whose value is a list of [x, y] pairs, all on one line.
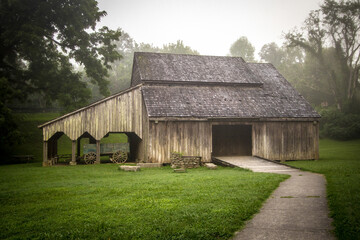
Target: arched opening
{"points": [[81, 142], [59, 149], [111, 144], [117, 147]]}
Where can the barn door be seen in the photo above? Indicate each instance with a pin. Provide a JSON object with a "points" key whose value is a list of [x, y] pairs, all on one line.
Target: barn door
{"points": [[232, 140]]}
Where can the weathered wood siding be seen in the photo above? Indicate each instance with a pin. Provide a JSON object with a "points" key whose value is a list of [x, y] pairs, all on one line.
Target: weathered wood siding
{"points": [[191, 138], [121, 113], [270, 140], [286, 140]]}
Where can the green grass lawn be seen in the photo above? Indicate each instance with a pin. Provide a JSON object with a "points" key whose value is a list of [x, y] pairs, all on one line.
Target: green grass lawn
{"points": [[340, 163], [101, 202]]}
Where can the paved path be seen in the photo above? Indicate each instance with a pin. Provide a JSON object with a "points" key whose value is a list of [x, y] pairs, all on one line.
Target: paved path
{"points": [[297, 209]]}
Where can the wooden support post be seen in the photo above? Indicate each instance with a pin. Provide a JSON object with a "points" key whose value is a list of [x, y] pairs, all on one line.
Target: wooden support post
{"points": [[97, 151], [73, 152], [45, 154], [316, 141]]}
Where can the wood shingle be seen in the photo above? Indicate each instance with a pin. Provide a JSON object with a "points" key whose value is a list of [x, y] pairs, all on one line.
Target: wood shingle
{"points": [[172, 68], [267, 94]]}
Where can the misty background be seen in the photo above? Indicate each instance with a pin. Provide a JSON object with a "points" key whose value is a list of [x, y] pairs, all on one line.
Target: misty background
{"points": [[68, 54]]}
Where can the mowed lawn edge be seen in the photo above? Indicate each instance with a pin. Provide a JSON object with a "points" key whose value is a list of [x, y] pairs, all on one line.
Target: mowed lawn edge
{"points": [[101, 202], [340, 163]]}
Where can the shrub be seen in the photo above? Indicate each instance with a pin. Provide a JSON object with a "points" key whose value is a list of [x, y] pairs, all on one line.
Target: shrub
{"points": [[338, 125]]}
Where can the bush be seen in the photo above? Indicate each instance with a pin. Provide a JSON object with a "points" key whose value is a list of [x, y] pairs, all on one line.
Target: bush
{"points": [[337, 125]]}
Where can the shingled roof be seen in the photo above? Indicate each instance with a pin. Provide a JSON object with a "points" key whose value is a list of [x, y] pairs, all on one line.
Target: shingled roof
{"points": [[267, 94], [160, 67]]}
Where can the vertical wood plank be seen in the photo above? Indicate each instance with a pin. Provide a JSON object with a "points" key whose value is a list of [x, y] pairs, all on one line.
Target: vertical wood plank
{"points": [[45, 153], [97, 152], [316, 141], [73, 153]]}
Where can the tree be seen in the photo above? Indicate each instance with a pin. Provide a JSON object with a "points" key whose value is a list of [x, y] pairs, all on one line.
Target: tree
{"points": [[39, 38], [178, 48], [272, 53], [120, 74], [243, 48], [301, 70], [332, 36]]}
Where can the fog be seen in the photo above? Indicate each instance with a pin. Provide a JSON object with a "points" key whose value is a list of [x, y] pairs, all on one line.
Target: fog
{"points": [[208, 26]]}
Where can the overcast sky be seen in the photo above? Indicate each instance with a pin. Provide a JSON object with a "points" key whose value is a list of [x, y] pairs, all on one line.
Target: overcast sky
{"points": [[208, 26]]}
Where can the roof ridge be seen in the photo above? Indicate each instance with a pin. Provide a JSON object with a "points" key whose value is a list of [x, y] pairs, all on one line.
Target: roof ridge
{"points": [[187, 54]]}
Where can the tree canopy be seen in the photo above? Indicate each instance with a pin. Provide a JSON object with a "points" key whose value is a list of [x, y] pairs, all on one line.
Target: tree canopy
{"points": [[243, 48], [301, 70], [120, 74], [332, 36], [39, 40]]}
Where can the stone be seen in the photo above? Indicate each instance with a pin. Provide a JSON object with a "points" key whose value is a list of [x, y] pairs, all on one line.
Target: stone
{"points": [[179, 161], [149, 165], [180, 170], [210, 166], [127, 168], [71, 163]]}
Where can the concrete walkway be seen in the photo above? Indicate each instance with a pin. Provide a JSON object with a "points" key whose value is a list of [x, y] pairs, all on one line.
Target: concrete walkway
{"points": [[297, 209]]}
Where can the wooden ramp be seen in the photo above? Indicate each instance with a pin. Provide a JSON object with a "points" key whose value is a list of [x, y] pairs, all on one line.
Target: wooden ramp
{"points": [[253, 163]]}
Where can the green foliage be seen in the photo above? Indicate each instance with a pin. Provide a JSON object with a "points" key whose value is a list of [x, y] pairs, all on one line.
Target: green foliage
{"points": [[40, 37], [100, 202], [31, 141], [302, 70], [339, 125], [178, 48], [120, 74], [180, 154], [331, 36], [272, 53], [37, 41], [243, 48], [9, 133], [340, 163]]}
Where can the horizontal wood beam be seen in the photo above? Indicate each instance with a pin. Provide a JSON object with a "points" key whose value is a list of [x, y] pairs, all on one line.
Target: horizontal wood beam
{"points": [[202, 83], [242, 120]]}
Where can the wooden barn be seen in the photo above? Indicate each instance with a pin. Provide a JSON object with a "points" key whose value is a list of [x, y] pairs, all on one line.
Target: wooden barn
{"points": [[197, 105]]}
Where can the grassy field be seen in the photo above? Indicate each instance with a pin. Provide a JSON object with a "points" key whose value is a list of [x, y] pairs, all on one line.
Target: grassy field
{"points": [[101, 202], [340, 163]]}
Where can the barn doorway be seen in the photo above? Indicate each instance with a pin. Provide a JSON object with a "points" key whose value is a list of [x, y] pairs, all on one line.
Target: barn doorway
{"points": [[232, 140]]}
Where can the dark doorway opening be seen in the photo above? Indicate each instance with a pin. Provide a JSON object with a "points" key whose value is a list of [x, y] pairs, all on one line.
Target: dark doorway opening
{"points": [[232, 140]]}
